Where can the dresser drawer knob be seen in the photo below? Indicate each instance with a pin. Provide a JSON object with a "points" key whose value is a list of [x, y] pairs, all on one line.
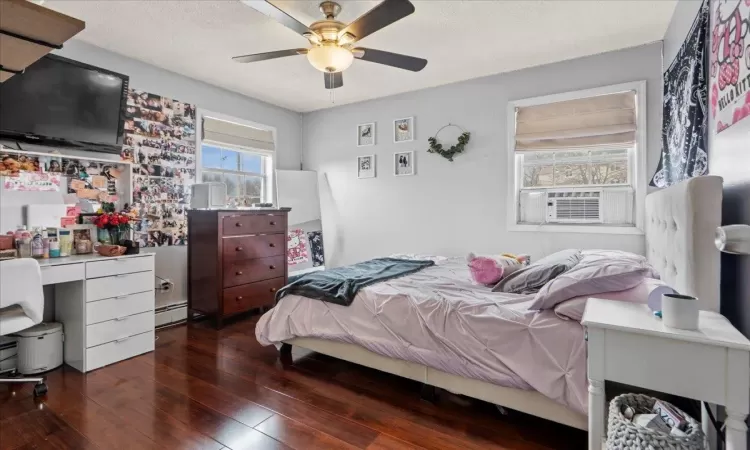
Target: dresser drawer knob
{"points": [[238, 224], [239, 298], [271, 267], [239, 272], [273, 289], [273, 223], [272, 245], [239, 249]]}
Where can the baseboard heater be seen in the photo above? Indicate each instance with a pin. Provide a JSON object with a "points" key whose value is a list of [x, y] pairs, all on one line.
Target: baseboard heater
{"points": [[170, 315]]}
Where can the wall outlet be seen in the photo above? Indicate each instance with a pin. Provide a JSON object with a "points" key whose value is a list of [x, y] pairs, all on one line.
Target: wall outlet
{"points": [[166, 286]]}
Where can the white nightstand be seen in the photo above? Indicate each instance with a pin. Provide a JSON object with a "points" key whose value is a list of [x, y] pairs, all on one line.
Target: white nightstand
{"points": [[627, 344]]}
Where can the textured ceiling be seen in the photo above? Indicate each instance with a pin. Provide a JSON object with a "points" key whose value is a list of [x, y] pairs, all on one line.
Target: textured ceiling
{"points": [[461, 40]]}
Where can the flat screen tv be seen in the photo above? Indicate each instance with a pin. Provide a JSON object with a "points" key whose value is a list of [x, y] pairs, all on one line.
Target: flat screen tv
{"points": [[58, 101]]}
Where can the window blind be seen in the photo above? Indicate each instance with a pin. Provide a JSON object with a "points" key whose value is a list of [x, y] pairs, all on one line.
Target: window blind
{"points": [[602, 121], [221, 132]]}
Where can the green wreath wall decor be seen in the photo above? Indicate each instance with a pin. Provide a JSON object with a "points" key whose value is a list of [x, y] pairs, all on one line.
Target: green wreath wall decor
{"points": [[448, 154]]}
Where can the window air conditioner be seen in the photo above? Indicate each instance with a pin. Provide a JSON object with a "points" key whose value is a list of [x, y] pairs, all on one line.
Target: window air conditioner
{"points": [[574, 207]]}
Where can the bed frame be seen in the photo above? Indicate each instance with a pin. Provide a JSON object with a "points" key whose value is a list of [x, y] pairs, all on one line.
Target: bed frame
{"points": [[680, 226]]}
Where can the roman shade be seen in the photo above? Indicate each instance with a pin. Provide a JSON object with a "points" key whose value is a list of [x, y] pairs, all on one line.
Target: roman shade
{"points": [[221, 132], [601, 121]]}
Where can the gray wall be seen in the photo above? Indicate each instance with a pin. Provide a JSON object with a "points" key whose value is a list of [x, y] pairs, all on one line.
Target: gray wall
{"points": [[453, 208], [682, 19], [729, 157], [171, 262]]}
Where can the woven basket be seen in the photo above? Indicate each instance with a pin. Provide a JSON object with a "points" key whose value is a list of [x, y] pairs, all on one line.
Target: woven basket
{"points": [[622, 434]]}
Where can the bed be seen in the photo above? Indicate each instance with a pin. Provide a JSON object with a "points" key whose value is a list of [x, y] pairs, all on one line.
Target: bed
{"points": [[536, 362]]}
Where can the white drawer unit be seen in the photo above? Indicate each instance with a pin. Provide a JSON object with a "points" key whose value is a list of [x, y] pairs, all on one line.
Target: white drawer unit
{"points": [[119, 328], [117, 285], [62, 273], [98, 269], [119, 350], [106, 306], [124, 305]]}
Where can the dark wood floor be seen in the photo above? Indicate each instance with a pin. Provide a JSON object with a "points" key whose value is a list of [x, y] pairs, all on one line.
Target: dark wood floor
{"points": [[204, 389]]}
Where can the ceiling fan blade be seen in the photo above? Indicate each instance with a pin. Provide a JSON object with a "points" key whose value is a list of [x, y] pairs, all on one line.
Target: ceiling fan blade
{"points": [[381, 16], [390, 59], [333, 80], [269, 55], [277, 15]]}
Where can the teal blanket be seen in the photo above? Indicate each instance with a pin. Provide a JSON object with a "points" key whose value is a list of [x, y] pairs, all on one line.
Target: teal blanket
{"points": [[340, 285]]}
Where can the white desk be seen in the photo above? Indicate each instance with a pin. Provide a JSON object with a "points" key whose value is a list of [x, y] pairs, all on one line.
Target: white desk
{"points": [[627, 344], [106, 306]]}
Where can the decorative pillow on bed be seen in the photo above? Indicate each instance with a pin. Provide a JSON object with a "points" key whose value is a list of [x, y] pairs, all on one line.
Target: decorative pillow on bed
{"points": [[530, 279], [594, 274], [573, 308], [491, 269]]}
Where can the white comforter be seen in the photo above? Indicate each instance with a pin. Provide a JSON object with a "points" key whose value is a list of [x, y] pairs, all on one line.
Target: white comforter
{"points": [[438, 317]]}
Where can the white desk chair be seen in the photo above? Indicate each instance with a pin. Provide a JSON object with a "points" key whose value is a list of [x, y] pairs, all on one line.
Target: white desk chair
{"points": [[21, 305]]}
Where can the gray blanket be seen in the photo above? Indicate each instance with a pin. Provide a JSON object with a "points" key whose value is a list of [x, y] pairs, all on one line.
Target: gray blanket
{"points": [[340, 285]]}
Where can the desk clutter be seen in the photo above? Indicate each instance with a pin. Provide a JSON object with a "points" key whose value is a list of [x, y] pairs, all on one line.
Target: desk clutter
{"points": [[106, 232]]}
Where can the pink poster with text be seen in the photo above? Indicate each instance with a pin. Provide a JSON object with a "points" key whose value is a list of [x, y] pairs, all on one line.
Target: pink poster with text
{"points": [[730, 62]]}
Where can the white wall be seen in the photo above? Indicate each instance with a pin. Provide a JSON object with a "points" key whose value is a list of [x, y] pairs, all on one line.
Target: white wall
{"points": [[453, 208], [684, 14], [171, 262]]}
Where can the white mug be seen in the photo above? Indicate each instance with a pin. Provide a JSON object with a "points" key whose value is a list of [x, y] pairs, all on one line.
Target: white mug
{"points": [[679, 311]]}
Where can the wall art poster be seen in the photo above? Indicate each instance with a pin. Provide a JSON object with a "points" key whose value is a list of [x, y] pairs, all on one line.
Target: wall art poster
{"points": [[315, 238], [684, 131], [730, 62], [160, 142], [296, 252], [33, 181]]}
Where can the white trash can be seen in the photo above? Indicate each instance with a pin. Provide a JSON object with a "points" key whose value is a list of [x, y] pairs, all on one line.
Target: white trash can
{"points": [[40, 348]]}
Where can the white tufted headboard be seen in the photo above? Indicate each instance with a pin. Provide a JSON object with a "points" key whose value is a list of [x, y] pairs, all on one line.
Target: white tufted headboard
{"points": [[681, 223]]}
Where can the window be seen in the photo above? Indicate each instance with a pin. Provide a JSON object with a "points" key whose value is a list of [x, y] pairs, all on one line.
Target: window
{"points": [[244, 173], [576, 161], [241, 156], [576, 168]]}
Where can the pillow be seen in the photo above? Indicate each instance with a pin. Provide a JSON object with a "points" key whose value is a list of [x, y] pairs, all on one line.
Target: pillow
{"points": [[491, 269], [530, 279], [484, 270], [573, 308], [590, 277], [605, 256]]}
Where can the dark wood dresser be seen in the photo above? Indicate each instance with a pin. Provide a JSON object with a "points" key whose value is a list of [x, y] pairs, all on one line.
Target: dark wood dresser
{"points": [[236, 260]]}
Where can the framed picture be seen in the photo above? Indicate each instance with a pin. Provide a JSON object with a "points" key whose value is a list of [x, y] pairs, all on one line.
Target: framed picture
{"points": [[403, 163], [403, 130], [366, 166], [84, 237], [366, 134]]}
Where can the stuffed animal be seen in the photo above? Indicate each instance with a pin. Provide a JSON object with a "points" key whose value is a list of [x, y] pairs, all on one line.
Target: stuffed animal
{"points": [[490, 270]]}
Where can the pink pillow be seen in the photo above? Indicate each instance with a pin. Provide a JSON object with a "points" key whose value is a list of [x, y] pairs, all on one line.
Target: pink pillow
{"points": [[484, 270], [489, 270], [574, 307]]}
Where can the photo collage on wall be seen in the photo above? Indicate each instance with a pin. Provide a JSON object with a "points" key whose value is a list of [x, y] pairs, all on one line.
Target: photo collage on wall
{"points": [[96, 181], [160, 142]]}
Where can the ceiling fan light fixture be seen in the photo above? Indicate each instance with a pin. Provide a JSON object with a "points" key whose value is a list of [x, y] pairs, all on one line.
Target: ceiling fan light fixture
{"points": [[330, 58], [346, 39]]}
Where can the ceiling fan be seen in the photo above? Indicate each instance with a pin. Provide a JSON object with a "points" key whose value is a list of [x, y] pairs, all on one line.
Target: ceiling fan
{"points": [[333, 49]]}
